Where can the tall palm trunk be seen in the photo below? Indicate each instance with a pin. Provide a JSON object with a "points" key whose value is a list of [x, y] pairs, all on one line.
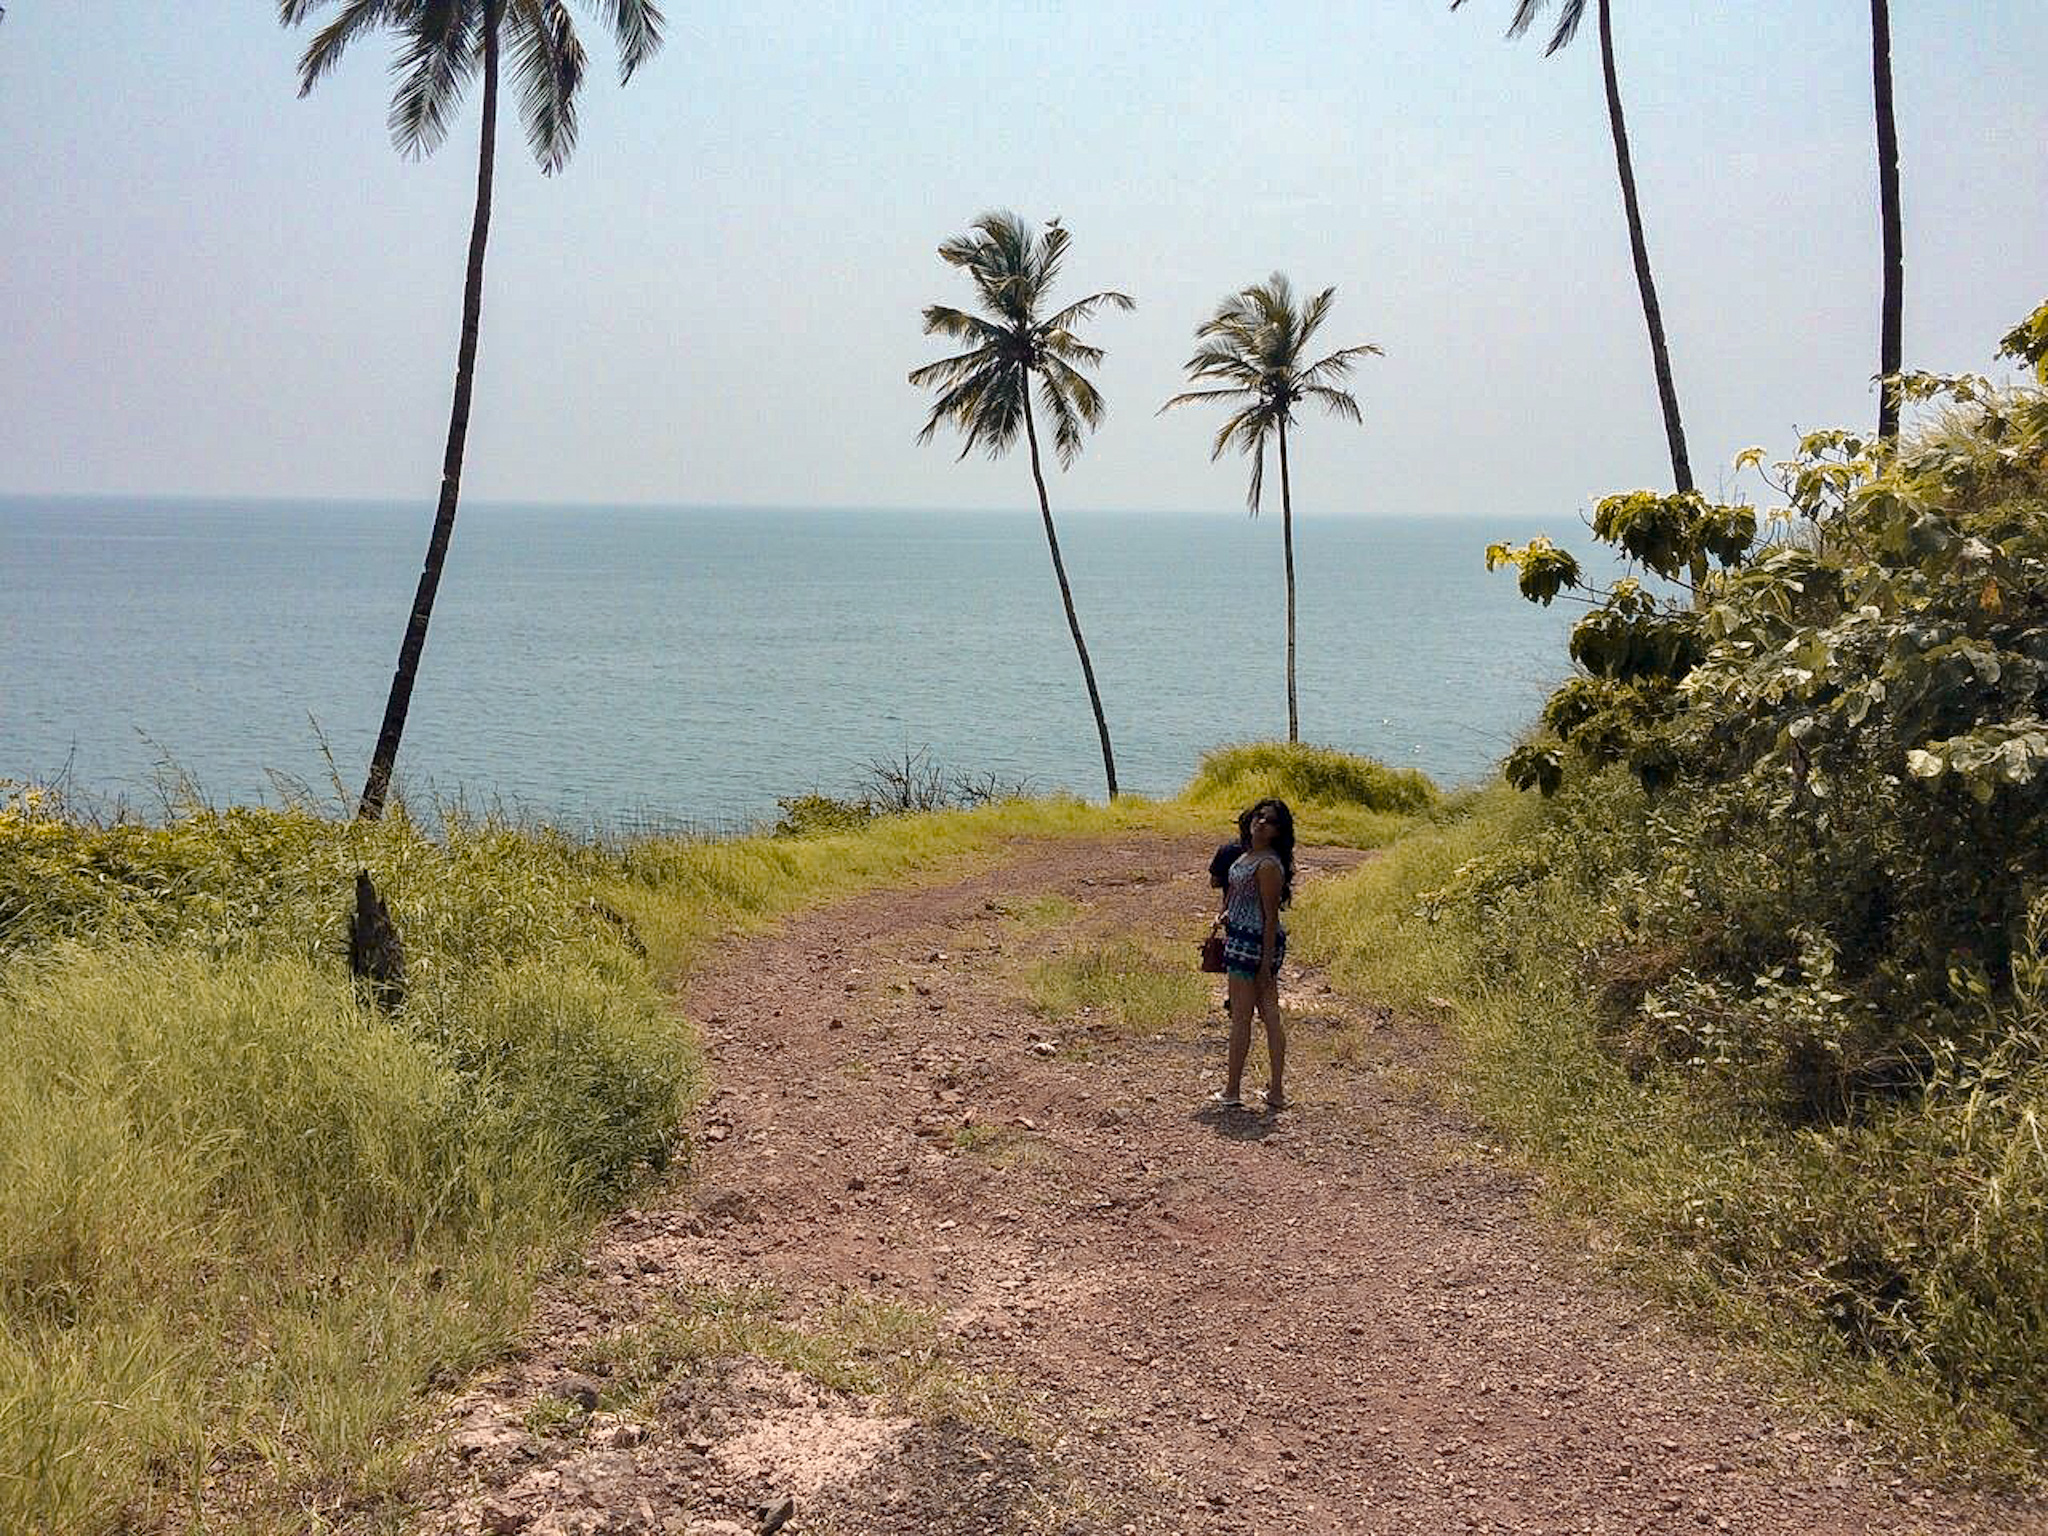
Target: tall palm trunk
{"points": [[1889, 340], [1287, 548], [1059, 570], [385, 757], [1653, 316]]}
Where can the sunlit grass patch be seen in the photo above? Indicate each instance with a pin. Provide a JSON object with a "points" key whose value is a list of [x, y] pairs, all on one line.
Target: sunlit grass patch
{"points": [[1336, 797], [1047, 910], [1123, 983]]}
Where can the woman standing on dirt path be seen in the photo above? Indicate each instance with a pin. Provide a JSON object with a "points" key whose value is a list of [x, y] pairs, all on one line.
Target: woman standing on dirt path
{"points": [[1259, 884]]}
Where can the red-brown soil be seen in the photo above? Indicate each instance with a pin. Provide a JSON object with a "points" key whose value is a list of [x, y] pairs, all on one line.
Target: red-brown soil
{"points": [[1342, 1318]]}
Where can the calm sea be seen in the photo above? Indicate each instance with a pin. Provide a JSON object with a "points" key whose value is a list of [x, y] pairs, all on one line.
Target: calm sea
{"points": [[635, 665]]}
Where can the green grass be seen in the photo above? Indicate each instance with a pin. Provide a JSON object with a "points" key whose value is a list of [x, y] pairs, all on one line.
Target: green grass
{"points": [[248, 1224], [1125, 984], [1335, 797], [1740, 1219]]}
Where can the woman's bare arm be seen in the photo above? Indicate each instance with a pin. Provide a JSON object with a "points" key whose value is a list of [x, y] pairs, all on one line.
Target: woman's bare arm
{"points": [[1271, 881]]}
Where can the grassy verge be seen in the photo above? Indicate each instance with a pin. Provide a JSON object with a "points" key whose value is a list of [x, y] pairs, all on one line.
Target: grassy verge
{"points": [[248, 1222], [1120, 985], [1762, 1228]]}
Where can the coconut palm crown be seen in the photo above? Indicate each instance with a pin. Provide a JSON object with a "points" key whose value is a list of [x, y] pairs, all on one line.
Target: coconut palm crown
{"points": [[985, 391], [1254, 344], [442, 46]]}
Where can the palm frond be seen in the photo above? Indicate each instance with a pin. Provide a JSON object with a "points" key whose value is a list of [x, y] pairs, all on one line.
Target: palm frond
{"points": [[1065, 411], [958, 404], [1087, 399], [1225, 360], [439, 52], [1335, 401], [943, 320], [998, 414], [1196, 396], [1570, 14], [1244, 429], [637, 26], [1312, 316], [328, 45], [959, 364], [1337, 364], [1068, 347], [547, 64], [1568, 19], [1084, 309]]}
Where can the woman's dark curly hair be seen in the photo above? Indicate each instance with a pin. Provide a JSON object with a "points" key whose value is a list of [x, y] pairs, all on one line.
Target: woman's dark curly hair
{"points": [[1283, 840]]}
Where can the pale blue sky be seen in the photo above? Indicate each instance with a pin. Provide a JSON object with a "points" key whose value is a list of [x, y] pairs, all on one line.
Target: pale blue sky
{"points": [[212, 287]]}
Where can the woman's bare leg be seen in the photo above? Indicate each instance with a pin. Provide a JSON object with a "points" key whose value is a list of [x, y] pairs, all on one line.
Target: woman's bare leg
{"points": [[1243, 996], [1276, 1039]]}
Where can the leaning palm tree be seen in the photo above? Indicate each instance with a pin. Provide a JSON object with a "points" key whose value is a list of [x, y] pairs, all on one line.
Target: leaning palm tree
{"points": [[1892, 304], [985, 391], [442, 46], [1254, 344], [1570, 14]]}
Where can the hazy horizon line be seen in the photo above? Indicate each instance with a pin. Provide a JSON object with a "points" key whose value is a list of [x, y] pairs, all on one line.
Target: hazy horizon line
{"points": [[504, 503]]}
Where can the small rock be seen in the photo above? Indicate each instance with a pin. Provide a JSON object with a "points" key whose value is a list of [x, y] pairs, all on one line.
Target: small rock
{"points": [[500, 1518], [575, 1388], [487, 1439], [856, 1184], [609, 1432], [776, 1514]]}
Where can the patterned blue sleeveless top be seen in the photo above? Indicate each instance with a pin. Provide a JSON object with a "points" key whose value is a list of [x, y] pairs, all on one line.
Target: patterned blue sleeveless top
{"points": [[1242, 909]]}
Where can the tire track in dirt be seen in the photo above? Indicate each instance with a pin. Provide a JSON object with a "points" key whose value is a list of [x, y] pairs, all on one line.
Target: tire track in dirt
{"points": [[1341, 1318]]}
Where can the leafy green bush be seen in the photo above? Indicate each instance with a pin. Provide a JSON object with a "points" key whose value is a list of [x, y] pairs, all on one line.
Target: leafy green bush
{"points": [[1763, 977], [1845, 732], [815, 815]]}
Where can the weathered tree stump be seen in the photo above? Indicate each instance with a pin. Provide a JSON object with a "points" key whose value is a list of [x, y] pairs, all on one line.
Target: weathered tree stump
{"points": [[376, 954]]}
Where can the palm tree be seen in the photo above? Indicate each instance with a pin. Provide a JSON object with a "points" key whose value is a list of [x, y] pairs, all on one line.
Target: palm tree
{"points": [[442, 46], [1570, 13], [1255, 343], [1889, 341], [985, 391]]}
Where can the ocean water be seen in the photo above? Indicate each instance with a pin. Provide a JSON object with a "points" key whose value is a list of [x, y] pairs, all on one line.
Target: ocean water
{"points": [[647, 666]]}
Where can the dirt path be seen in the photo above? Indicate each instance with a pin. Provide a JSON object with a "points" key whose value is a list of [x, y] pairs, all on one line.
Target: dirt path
{"points": [[1124, 1313]]}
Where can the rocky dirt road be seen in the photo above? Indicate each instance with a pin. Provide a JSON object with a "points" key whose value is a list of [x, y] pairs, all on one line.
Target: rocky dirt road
{"points": [[1126, 1312]]}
